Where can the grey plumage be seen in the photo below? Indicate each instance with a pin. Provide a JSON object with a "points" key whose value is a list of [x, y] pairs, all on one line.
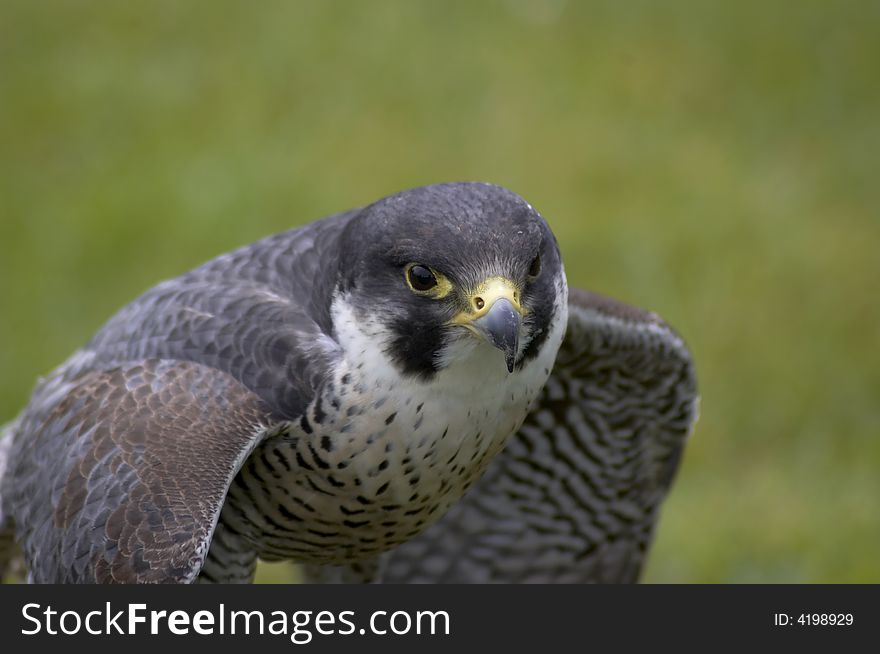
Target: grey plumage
{"points": [[294, 400]]}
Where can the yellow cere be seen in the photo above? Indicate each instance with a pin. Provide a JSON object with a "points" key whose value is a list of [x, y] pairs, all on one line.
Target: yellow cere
{"points": [[483, 296]]}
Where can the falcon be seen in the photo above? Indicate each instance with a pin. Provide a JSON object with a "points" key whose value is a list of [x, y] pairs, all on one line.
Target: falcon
{"points": [[402, 392]]}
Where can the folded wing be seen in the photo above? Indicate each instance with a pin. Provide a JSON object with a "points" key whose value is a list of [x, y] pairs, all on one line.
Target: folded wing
{"points": [[119, 475]]}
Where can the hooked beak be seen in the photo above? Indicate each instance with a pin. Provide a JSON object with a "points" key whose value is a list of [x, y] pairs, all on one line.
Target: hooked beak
{"points": [[496, 316], [500, 327]]}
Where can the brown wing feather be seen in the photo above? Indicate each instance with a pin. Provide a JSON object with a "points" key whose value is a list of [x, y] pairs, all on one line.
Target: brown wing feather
{"points": [[118, 476]]}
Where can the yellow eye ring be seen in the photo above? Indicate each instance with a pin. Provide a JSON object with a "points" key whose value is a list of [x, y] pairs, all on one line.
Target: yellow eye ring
{"points": [[426, 281], [421, 278]]}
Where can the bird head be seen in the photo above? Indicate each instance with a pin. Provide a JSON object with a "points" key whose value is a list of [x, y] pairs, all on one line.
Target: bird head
{"points": [[436, 272]]}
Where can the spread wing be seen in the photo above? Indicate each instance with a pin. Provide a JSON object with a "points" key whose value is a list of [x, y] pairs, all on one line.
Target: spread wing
{"points": [[122, 473], [575, 495]]}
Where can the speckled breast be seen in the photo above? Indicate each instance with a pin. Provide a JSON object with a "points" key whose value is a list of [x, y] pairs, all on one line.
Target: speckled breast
{"points": [[373, 463]]}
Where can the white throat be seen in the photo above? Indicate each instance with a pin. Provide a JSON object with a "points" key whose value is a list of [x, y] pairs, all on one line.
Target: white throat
{"points": [[381, 455]]}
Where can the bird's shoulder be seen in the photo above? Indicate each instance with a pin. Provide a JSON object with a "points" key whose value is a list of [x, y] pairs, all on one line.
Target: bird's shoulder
{"points": [[259, 313]]}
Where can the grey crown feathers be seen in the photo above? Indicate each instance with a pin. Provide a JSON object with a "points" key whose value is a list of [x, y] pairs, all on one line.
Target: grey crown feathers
{"points": [[407, 392]]}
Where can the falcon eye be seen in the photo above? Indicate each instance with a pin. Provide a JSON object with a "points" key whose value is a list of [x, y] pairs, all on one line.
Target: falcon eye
{"points": [[421, 278], [535, 268]]}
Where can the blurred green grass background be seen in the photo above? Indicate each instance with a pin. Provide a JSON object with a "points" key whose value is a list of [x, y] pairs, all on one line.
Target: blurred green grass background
{"points": [[714, 161]]}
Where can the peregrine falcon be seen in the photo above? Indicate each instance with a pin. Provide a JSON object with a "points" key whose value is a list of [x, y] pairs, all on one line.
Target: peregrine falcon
{"points": [[401, 392]]}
